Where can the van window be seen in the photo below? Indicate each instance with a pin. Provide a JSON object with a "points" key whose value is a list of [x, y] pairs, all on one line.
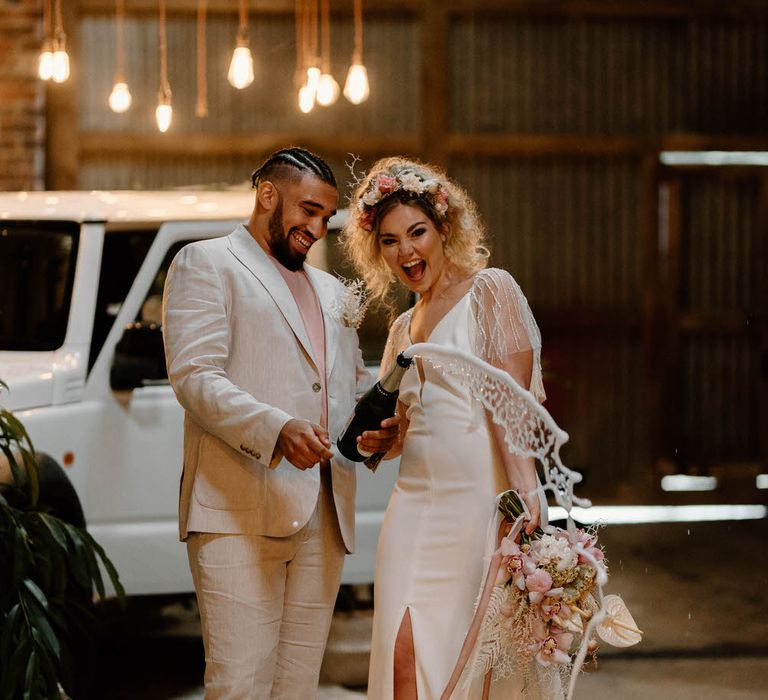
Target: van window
{"points": [[151, 309], [37, 271], [121, 259]]}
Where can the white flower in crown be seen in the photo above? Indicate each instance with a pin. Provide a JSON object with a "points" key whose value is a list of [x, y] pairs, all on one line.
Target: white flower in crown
{"points": [[371, 197], [349, 308], [411, 182]]}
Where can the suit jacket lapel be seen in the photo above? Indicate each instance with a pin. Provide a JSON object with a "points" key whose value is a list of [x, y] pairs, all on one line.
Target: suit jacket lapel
{"points": [[252, 256], [326, 294]]}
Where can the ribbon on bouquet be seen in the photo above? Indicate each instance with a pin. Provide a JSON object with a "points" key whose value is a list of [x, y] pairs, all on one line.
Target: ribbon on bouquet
{"points": [[490, 581]]}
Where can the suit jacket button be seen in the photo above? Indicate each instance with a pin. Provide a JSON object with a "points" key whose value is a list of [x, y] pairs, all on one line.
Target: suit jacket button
{"points": [[316, 387], [243, 448], [257, 455]]}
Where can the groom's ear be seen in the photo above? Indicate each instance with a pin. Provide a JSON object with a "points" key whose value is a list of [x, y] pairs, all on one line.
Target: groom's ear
{"points": [[267, 195]]}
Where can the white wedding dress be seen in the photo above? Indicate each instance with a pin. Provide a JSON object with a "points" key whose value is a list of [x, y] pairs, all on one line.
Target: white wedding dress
{"points": [[430, 557]]}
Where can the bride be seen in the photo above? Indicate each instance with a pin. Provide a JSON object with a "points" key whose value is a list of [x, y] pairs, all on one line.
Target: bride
{"points": [[410, 222]]}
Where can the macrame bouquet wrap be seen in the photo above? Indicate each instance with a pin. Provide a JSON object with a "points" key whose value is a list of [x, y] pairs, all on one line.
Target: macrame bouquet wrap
{"points": [[541, 607]]}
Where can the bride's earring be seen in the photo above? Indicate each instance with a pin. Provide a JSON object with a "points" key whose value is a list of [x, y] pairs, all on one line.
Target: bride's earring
{"points": [[442, 237]]}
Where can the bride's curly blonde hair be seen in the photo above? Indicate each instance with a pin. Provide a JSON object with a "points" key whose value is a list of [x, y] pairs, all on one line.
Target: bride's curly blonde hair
{"points": [[398, 180]]}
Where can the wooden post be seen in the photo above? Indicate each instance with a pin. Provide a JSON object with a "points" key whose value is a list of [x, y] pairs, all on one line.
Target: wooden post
{"points": [[434, 91]]}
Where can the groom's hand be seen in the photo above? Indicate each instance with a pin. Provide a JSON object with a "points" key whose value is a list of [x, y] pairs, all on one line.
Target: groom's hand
{"points": [[304, 444], [381, 440]]}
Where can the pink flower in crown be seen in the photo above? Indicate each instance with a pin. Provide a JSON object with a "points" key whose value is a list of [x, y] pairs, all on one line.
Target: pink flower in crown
{"points": [[386, 184], [366, 219]]}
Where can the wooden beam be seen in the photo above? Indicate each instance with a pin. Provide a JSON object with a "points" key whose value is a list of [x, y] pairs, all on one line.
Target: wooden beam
{"points": [[670, 254], [611, 8], [505, 144], [433, 144], [211, 145], [261, 7], [653, 368], [760, 270], [731, 322], [532, 8]]}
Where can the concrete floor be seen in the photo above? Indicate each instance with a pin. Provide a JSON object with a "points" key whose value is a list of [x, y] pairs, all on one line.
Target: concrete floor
{"points": [[699, 591]]}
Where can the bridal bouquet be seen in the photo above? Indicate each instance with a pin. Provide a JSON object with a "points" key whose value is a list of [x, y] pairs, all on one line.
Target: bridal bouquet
{"points": [[546, 600]]}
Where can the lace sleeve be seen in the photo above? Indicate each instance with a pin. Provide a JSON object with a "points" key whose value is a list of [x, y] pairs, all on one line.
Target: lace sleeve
{"points": [[397, 341], [504, 324]]}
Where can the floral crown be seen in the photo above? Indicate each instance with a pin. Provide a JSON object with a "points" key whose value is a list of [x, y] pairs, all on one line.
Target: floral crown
{"points": [[382, 186]]}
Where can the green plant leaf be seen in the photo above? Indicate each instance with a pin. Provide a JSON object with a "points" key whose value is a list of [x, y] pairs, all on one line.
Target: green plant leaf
{"points": [[30, 676], [9, 628], [39, 622], [114, 577], [76, 562], [34, 589], [16, 472], [18, 428], [55, 529], [48, 670], [16, 668]]}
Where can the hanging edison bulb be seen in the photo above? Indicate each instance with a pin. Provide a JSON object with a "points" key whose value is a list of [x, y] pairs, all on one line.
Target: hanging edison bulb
{"points": [[45, 61], [356, 89], [313, 78], [327, 87], [241, 66], [120, 97], [164, 110], [60, 59], [306, 99], [327, 90]]}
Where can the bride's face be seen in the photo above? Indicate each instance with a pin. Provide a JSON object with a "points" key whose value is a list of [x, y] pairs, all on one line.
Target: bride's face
{"points": [[412, 246]]}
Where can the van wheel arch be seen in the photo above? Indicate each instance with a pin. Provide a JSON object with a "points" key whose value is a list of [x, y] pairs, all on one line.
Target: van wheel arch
{"points": [[57, 491]]}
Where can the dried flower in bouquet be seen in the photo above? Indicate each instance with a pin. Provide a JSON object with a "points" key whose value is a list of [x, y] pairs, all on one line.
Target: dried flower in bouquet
{"points": [[350, 307], [547, 588]]}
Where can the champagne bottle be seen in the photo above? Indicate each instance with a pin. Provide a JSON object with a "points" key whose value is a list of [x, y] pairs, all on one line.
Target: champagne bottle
{"points": [[378, 403]]}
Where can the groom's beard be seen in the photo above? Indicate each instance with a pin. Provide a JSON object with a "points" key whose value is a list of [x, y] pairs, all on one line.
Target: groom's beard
{"points": [[279, 244]]}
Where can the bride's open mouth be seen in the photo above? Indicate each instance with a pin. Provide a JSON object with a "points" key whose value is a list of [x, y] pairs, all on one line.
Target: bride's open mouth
{"points": [[414, 270]]}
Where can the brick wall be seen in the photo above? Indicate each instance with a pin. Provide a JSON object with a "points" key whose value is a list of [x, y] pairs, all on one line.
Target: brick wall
{"points": [[22, 106]]}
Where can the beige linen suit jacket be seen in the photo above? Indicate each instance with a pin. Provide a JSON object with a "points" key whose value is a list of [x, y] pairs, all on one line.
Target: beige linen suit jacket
{"points": [[241, 364]]}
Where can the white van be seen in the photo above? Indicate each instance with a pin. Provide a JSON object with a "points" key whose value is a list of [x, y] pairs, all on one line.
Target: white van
{"points": [[81, 280]]}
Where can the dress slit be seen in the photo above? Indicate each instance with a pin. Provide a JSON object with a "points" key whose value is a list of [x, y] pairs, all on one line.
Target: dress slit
{"points": [[406, 618]]}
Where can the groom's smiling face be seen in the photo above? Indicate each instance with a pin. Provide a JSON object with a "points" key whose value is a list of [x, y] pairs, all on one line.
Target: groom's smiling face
{"points": [[300, 218]]}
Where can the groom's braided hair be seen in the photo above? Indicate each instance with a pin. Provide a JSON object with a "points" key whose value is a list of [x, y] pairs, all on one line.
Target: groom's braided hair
{"points": [[292, 163]]}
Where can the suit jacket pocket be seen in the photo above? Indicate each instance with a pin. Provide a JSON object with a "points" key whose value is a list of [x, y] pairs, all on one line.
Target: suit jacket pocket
{"points": [[225, 479]]}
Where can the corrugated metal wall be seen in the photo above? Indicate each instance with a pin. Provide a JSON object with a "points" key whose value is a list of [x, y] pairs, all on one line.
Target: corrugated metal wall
{"points": [[569, 226], [591, 76]]}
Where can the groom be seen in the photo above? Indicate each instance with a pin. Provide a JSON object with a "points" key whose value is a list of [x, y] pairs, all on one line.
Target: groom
{"points": [[265, 370]]}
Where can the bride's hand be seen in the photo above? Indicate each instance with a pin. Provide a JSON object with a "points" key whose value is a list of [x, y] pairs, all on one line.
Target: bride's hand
{"points": [[534, 508]]}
